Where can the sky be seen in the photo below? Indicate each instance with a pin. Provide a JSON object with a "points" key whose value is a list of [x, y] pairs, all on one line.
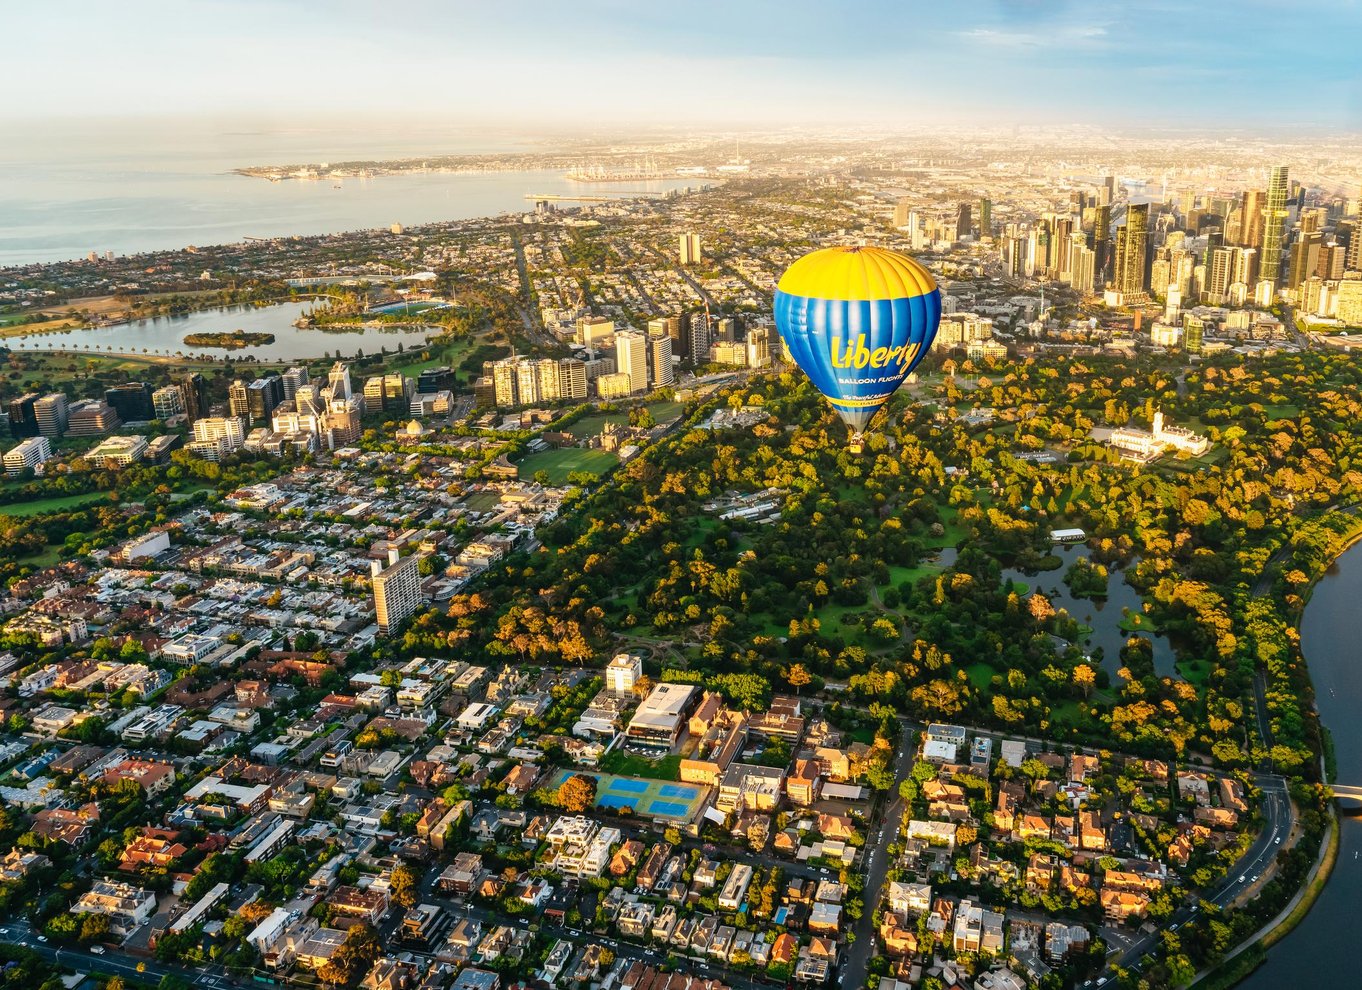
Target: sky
{"points": [[897, 64]]}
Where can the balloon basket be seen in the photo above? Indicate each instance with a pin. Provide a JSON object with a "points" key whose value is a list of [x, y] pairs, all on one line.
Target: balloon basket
{"points": [[856, 444]]}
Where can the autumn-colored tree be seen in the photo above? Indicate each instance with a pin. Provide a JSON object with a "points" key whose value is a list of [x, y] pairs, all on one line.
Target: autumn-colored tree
{"points": [[577, 793], [1085, 679], [798, 676]]}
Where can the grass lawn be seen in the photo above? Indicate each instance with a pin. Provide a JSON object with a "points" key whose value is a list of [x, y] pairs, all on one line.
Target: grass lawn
{"points": [[418, 359], [980, 674], [590, 426], [1283, 411], [664, 411], [482, 501], [1136, 622], [560, 463], [898, 575], [47, 557], [55, 504], [629, 765], [1195, 672]]}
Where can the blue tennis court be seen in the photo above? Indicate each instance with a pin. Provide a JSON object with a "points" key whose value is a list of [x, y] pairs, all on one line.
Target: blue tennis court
{"points": [[654, 799]]}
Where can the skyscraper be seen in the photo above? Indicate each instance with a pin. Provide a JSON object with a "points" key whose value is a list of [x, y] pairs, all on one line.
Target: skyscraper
{"points": [[661, 348], [572, 378], [1274, 224], [690, 249], [1251, 218], [339, 381], [631, 358], [132, 402], [986, 217], [963, 221], [23, 417], [902, 211], [293, 377], [52, 412], [1304, 258], [195, 392], [397, 590], [1132, 239], [238, 400]]}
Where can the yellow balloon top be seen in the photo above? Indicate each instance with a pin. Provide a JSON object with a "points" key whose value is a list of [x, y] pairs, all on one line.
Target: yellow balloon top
{"points": [[856, 273]]}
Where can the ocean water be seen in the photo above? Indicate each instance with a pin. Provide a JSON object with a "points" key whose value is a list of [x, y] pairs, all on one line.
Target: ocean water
{"points": [[68, 190]]}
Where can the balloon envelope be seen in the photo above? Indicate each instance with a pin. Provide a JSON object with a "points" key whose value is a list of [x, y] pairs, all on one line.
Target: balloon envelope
{"points": [[857, 320]]}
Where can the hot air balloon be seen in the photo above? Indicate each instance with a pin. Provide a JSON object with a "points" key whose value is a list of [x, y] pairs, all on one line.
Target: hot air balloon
{"points": [[857, 320]]}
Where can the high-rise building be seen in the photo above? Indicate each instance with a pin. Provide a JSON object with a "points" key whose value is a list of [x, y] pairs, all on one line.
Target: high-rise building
{"points": [[27, 455], [132, 402], [1082, 272], [758, 347], [1304, 258], [631, 358], [572, 378], [293, 377], [391, 393], [700, 338], [1332, 262], [338, 380], [442, 379], [1251, 218], [986, 216], [963, 221], [527, 384], [397, 590], [91, 418], [195, 392], [53, 413], [902, 211], [592, 330], [1219, 273], [1101, 241], [23, 416], [690, 249], [262, 395], [1132, 239], [1274, 224], [238, 400], [167, 402], [505, 383], [661, 351]]}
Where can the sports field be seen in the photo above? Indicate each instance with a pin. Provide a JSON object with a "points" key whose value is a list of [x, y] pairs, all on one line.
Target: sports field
{"points": [[558, 464], [656, 799]]}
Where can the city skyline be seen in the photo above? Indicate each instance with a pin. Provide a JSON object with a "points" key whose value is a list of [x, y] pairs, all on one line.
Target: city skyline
{"points": [[744, 65]]}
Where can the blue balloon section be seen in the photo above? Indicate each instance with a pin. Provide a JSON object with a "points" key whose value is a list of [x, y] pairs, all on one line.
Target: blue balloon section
{"points": [[858, 352]]}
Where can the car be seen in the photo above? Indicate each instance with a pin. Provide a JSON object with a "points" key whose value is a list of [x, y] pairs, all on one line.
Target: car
{"points": [[97, 949], [1255, 878], [4, 931], [42, 938], [825, 871], [1277, 840], [1241, 878]]}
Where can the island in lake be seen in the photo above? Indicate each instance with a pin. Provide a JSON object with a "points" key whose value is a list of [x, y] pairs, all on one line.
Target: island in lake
{"points": [[234, 339]]}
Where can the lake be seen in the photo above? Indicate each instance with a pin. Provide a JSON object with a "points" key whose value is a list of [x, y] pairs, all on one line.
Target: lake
{"points": [[165, 335]]}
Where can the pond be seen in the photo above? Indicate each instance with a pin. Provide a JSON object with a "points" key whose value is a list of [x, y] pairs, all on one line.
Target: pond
{"points": [[1102, 616], [165, 335]]}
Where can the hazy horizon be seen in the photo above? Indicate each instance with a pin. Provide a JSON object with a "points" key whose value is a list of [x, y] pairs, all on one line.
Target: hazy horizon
{"points": [[607, 64]]}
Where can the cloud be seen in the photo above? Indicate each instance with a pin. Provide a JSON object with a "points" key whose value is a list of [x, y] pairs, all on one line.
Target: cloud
{"points": [[1069, 37]]}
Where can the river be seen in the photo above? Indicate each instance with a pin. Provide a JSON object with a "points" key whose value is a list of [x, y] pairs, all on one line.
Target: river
{"points": [[165, 335], [1320, 950]]}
